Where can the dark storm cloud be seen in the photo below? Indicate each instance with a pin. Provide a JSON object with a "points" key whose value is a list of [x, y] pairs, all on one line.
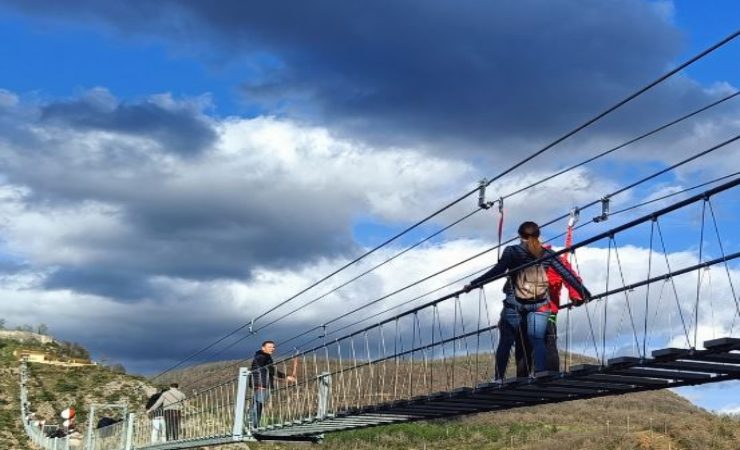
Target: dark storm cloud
{"points": [[441, 72], [197, 233], [193, 218], [103, 281], [182, 129]]}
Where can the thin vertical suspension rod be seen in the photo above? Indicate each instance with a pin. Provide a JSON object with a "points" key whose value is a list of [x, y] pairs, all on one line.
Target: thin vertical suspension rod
{"points": [[477, 336], [727, 267], [454, 337], [626, 296], [371, 383], [381, 345], [647, 292], [465, 339], [444, 352], [673, 282], [606, 301], [698, 280], [395, 353], [414, 319], [588, 313], [434, 344]]}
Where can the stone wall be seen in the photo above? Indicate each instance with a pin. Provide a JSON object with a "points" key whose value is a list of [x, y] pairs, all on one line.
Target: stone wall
{"points": [[25, 336]]}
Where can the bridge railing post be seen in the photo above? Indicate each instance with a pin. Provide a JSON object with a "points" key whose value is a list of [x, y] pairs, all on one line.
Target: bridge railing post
{"points": [[90, 428], [240, 405], [324, 392], [128, 443]]}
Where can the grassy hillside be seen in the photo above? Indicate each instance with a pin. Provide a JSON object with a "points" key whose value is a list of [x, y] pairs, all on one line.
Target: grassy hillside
{"points": [[645, 421], [51, 389]]}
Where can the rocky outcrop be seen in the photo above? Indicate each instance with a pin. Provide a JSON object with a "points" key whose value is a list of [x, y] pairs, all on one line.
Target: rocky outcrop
{"points": [[25, 336]]}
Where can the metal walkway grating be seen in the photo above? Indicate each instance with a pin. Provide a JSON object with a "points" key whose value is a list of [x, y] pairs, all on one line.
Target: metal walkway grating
{"points": [[667, 368]]}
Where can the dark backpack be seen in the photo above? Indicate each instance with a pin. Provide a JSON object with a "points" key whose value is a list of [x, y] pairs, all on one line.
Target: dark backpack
{"points": [[106, 422], [153, 399]]}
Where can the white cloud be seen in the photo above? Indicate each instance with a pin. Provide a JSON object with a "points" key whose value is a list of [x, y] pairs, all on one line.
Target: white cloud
{"points": [[733, 409]]}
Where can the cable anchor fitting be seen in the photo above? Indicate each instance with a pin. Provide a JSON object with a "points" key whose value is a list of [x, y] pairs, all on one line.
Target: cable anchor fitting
{"points": [[482, 203], [604, 211], [575, 215], [251, 326]]}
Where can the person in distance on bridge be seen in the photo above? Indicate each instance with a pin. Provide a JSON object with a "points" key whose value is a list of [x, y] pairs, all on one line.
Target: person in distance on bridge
{"points": [[158, 424], [522, 349], [527, 302], [171, 402], [263, 379]]}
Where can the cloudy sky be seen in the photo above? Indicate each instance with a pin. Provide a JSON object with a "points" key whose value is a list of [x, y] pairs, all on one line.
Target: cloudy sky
{"points": [[169, 170]]}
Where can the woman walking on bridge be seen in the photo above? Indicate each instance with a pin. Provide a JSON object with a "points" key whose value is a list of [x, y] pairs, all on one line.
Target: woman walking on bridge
{"points": [[527, 302]]}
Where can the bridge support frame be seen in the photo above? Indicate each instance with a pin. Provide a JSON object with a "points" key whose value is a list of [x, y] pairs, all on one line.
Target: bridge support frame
{"points": [[324, 392], [128, 444], [239, 431]]}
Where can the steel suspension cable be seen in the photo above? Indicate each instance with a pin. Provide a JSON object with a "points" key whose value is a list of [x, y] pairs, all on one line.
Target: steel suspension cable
{"points": [[625, 144], [652, 217], [323, 326], [571, 133], [477, 272], [581, 244], [617, 192], [509, 195], [621, 103]]}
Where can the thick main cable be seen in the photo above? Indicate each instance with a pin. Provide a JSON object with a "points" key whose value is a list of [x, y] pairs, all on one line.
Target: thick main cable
{"points": [[619, 104]]}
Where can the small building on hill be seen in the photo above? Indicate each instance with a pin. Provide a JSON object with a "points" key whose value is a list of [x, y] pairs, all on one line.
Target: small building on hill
{"points": [[37, 356], [40, 356]]}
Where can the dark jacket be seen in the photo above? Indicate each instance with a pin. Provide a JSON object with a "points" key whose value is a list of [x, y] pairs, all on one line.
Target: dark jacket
{"points": [[263, 370], [515, 256]]}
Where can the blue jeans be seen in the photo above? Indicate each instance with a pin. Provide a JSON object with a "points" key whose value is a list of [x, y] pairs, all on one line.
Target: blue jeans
{"points": [[258, 402], [518, 318]]}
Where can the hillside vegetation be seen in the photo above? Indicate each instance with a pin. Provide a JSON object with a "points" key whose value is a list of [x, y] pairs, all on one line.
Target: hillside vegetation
{"points": [[657, 420], [52, 388]]}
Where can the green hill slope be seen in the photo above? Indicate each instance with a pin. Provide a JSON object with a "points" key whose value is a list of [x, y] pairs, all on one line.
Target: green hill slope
{"points": [[52, 388]]}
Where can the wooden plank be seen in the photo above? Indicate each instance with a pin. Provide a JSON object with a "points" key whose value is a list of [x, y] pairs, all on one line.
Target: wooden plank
{"points": [[723, 344], [626, 379], [666, 374], [694, 366]]}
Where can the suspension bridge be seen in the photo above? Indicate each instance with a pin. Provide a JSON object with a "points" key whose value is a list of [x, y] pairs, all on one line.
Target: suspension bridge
{"points": [[638, 332], [435, 360]]}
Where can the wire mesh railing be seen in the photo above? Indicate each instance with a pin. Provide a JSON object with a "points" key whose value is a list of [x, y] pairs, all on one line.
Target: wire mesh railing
{"points": [[450, 343]]}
